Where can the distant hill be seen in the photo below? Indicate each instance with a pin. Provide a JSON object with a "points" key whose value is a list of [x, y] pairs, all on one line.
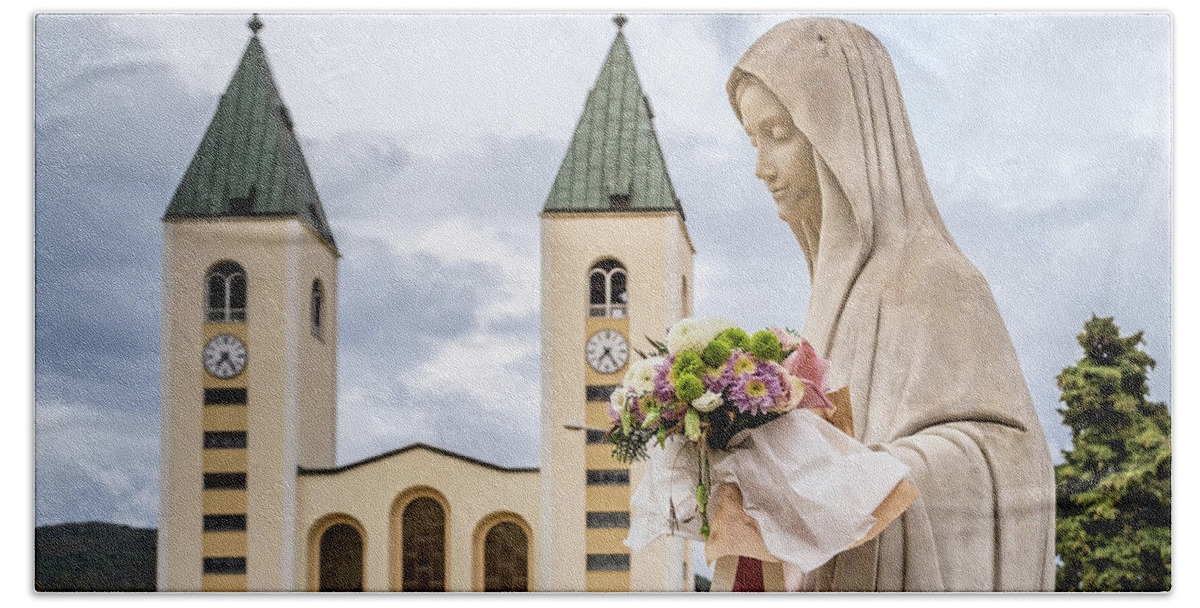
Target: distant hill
{"points": [[94, 556]]}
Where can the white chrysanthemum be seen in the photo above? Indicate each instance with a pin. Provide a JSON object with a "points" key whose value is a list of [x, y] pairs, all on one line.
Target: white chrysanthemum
{"points": [[707, 402], [714, 326], [687, 334], [619, 400], [640, 377]]}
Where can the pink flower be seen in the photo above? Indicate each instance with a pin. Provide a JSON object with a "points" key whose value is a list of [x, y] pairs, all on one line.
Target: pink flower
{"points": [[787, 339], [805, 364]]}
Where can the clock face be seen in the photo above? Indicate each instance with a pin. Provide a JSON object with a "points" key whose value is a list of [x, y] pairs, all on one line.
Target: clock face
{"points": [[225, 356], [607, 351]]}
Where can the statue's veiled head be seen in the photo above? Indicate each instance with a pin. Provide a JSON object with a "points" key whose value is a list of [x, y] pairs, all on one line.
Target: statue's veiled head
{"points": [[821, 103], [785, 155]]}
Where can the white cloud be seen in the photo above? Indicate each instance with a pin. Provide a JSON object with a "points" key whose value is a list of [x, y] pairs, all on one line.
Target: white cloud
{"points": [[484, 368], [455, 240], [94, 464]]}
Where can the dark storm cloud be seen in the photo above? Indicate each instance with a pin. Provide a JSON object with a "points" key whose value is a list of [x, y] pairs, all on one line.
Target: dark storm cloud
{"points": [[105, 167]]}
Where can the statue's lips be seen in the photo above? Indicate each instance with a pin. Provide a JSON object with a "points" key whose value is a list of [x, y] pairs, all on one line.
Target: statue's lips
{"points": [[788, 192]]}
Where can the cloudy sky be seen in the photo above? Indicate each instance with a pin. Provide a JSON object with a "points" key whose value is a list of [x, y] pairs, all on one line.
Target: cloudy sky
{"points": [[433, 141]]}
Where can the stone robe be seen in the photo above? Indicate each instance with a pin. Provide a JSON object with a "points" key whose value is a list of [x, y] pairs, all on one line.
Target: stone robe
{"points": [[911, 327]]}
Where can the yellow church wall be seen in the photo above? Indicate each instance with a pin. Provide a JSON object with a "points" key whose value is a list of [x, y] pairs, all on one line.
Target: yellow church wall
{"points": [[271, 402], [179, 459], [609, 540], [668, 564], [599, 456], [318, 355], [222, 544], [225, 417], [369, 492], [221, 502], [607, 498], [224, 461], [607, 581], [224, 582], [596, 414], [656, 251], [277, 255]]}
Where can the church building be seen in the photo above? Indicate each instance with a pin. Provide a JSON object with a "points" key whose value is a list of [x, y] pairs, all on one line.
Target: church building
{"points": [[252, 498]]}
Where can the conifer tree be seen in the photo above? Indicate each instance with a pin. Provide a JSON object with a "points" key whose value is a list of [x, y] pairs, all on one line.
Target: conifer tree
{"points": [[1114, 491]]}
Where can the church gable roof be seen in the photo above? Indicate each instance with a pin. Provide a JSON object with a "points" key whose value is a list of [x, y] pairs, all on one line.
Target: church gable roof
{"points": [[249, 162], [614, 162], [408, 448]]}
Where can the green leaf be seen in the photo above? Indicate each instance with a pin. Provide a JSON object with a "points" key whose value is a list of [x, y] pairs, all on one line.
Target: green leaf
{"points": [[651, 418], [691, 425]]}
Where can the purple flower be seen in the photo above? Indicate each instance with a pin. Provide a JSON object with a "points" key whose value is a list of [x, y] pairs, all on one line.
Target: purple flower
{"points": [[664, 386], [758, 391]]}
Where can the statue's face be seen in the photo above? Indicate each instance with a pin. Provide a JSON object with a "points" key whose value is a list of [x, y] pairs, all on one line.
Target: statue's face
{"points": [[785, 156]]}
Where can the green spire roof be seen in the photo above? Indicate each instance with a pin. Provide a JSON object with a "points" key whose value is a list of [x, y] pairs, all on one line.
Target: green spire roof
{"points": [[249, 163], [614, 162]]}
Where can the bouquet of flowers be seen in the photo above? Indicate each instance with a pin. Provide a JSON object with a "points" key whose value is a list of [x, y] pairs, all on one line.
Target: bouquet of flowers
{"points": [[709, 381]]}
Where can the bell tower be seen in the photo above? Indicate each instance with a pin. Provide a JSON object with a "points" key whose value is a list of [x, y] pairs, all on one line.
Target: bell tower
{"points": [[249, 345], [616, 267]]}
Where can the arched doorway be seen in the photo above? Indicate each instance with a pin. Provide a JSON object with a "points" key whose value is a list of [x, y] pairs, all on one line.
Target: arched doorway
{"points": [[423, 538], [341, 559], [506, 558]]}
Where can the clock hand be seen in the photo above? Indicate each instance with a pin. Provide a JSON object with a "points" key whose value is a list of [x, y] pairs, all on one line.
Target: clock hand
{"points": [[609, 355]]}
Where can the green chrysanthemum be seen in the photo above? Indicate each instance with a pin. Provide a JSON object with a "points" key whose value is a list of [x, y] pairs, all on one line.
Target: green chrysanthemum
{"points": [[688, 387], [734, 337], [765, 345], [688, 363], [716, 353]]}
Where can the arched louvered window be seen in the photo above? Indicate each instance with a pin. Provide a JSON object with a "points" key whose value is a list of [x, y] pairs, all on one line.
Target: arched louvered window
{"points": [[424, 546], [607, 288], [226, 293], [316, 304], [341, 559], [505, 558]]}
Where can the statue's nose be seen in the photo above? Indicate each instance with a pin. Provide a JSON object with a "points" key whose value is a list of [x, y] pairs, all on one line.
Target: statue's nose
{"points": [[765, 170]]}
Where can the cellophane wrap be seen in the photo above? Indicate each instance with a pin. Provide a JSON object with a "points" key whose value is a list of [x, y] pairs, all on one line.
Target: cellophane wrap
{"points": [[810, 488]]}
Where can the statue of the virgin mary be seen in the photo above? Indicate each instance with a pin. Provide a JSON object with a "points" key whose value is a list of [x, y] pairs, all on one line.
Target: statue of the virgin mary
{"points": [[908, 322]]}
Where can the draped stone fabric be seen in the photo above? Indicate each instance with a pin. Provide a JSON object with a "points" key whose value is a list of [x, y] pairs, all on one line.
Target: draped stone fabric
{"points": [[911, 327]]}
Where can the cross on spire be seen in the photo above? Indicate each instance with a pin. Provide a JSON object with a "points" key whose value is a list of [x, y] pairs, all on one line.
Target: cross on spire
{"points": [[620, 20], [255, 24]]}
